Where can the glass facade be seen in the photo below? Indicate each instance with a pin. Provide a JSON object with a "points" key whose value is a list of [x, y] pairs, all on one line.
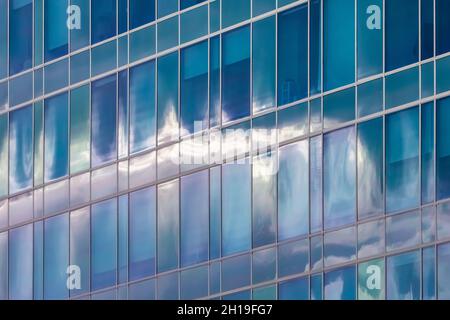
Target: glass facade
{"points": [[207, 149]]}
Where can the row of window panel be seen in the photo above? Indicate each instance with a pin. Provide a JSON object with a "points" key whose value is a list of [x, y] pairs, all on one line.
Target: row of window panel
{"points": [[402, 35], [37, 257]]}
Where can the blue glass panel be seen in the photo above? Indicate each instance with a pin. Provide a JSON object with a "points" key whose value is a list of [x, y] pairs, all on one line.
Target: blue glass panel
{"points": [[370, 97], [38, 83], [340, 284], [142, 238], [443, 220], [292, 122], [402, 87], [236, 74], [370, 168], [3, 95], [403, 231], [168, 127], [21, 89], [339, 177], [292, 55], [316, 287], [144, 290], [20, 35], [236, 272], [168, 287], [4, 154], [316, 182], [428, 224], [264, 64], [3, 40], [338, 43], [103, 20], [194, 24], [189, 3], [79, 35], [339, 246], [104, 244], [370, 37], [142, 107], [214, 21], [214, 82], [442, 26], [297, 289], [315, 47], [56, 257], [371, 280], [293, 213], [80, 67], [443, 268], [234, 12], [402, 164], [167, 34], [194, 218], [263, 6], [371, 238], [56, 34], [194, 88], [236, 206], [38, 261], [122, 113], [166, 7], [427, 28], [443, 149], [122, 19], [402, 33], [122, 51], [56, 116], [264, 265], [21, 149], [215, 212], [104, 58], [142, 43], [265, 293], [429, 273], [316, 247], [293, 257], [315, 115], [427, 79], [104, 139], [403, 276], [443, 75], [194, 283], [123, 239], [338, 108], [141, 12], [80, 236], [21, 263], [427, 152], [4, 265], [56, 75]]}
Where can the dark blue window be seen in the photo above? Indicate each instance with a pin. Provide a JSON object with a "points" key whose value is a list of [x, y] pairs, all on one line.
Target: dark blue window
{"points": [[236, 74], [340, 284], [56, 34], [21, 263], [3, 39], [293, 55], [189, 3], [79, 38], [427, 152], [402, 33], [443, 149], [403, 276], [104, 140], [56, 137], [315, 47], [297, 289], [427, 28], [141, 12], [103, 20], [20, 35], [442, 26], [166, 7]]}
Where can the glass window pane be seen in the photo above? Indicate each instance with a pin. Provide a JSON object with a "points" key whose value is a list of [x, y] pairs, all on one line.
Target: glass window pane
{"points": [[340, 284], [338, 108], [56, 197], [339, 177], [429, 273], [123, 239], [297, 289], [103, 20], [168, 287], [56, 36], [316, 247], [293, 257], [3, 154], [104, 140], [234, 12], [21, 208], [402, 164], [315, 47], [427, 28], [339, 246], [104, 58], [316, 182], [443, 269], [442, 75], [443, 149], [215, 212], [189, 3], [338, 43], [236, 74], [194, 218], [56, 257], [56, 137], [142, 107], [316, 287], [264, 64], [427, 79], [264, 265], [56, 75], [427, 150], [371, 238], [79, 37], [402, 87], [403, 276], [20, 35], [265, 293], [214, 81], [104, 182], [21, 149], [104, 244], [370, 97], [144, 290], [442, 26], [370, 168], [236, 272], [142, 170], [236, 206], [122, 113], [80, 129], [293, 195], [21, 263], [80, 189], [20, 89], [371, 280], [142, 12], [4, 265], [79, 247], [402, 33], [142, 43], [142, 238], [167, 33], [292, 122], [168, 127], [194, 24], [4, 39], [370, 37], [428, 224], [168, 226], [80, 66], [403, 231], [292, 55], [443, 220], [194, 283], [194, 88]]}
